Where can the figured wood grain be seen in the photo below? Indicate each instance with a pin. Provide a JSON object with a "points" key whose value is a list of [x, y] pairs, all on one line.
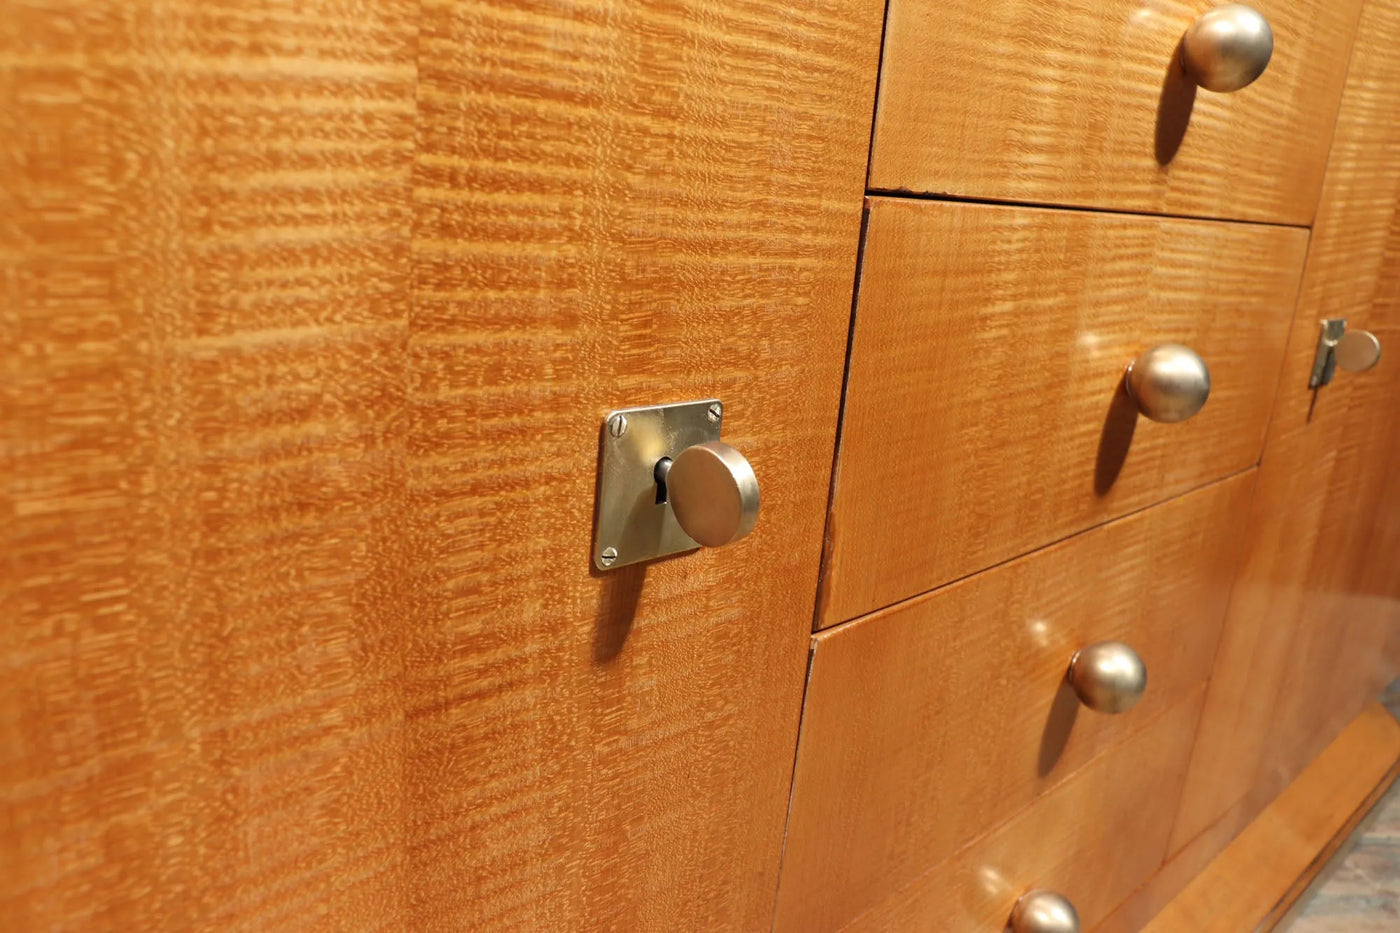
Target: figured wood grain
{"points": [[1181, 867], [619, 204], [984, 411], [1093, 838], [311, 315], [1085, 104], [1251, 884], [1318, 599], [927, 724], [205, 591]]}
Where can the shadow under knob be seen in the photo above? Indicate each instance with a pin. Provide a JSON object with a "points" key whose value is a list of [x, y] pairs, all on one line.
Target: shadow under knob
{"points": [[1227, 48], [1170, 382], [1044, 912], [714, 493], [1108, 677]]}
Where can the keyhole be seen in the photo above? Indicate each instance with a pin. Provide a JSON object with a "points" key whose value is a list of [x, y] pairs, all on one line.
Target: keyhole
{"points": [[663, 467]]}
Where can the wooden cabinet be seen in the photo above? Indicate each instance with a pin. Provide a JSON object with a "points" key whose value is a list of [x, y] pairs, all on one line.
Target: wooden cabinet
{"points": [[928, 724], [985, 414], [1086, 104], [312, 316]]}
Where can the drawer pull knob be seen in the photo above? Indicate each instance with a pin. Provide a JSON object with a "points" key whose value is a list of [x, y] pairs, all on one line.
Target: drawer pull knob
{"points": [[1170, 382], [1044, 912], [1108, 676], [713, 491], [1226, 48]]}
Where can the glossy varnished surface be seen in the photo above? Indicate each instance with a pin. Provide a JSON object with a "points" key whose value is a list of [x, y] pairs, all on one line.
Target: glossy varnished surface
{"points": [[1084, 104], [206, 588], [311, 317], [1315, 614], [984, 411], [1093, 839], [928, 724], [620, 205], [1252, 883]]}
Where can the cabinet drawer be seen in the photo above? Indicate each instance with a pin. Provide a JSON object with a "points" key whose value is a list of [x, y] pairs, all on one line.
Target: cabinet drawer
{"points": [[1086, 104], [1095, 839], [985, 414], [929, 723]]}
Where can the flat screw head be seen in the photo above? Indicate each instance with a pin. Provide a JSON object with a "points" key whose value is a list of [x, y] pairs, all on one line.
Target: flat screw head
{"points": [[617, 426], [715, 411], [609, 554]]}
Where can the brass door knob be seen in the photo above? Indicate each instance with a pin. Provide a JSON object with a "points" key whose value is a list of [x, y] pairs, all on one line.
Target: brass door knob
{"points": [[1044, 912], [1108, 676], [1170, 382], [1226, 48], [713, 491]]}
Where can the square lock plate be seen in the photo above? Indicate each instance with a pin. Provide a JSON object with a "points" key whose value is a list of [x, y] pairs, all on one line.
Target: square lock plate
{"points": [[632, 526]]}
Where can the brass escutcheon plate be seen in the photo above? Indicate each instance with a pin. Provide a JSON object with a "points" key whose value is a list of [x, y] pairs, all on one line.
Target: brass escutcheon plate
{"points": [[629, 519]]}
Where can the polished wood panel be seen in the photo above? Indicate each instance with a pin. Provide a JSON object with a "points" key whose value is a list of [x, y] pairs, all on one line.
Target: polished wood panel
{"points": [[619, 204], [927, 724], [984, 410], [1318, 600], [312, 313], [1093, 838], [1259, 875], [1085, 104], [206, 590]]}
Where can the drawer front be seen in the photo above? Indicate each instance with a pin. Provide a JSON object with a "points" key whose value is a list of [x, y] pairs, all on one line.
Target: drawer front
{"points": [[985, 414], [1094, 839], [929, 723], [1086, 104]]}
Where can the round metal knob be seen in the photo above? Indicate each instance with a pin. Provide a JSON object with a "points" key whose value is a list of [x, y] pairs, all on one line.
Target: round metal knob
{"points": [[1226, 48], [713, 492], [1044, 912], [1357, 351], [1170, 382], [1108, 676]]}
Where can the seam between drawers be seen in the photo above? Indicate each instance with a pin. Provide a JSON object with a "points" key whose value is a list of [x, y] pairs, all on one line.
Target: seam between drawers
{"points": [[924, 594], [896, 194]]}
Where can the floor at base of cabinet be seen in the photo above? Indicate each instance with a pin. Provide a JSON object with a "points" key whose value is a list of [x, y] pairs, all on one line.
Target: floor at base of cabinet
{"points": [[1359, 892]]}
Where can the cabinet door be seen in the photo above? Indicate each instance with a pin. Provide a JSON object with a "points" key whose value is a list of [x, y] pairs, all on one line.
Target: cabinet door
{"points": [[312, 315]]}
